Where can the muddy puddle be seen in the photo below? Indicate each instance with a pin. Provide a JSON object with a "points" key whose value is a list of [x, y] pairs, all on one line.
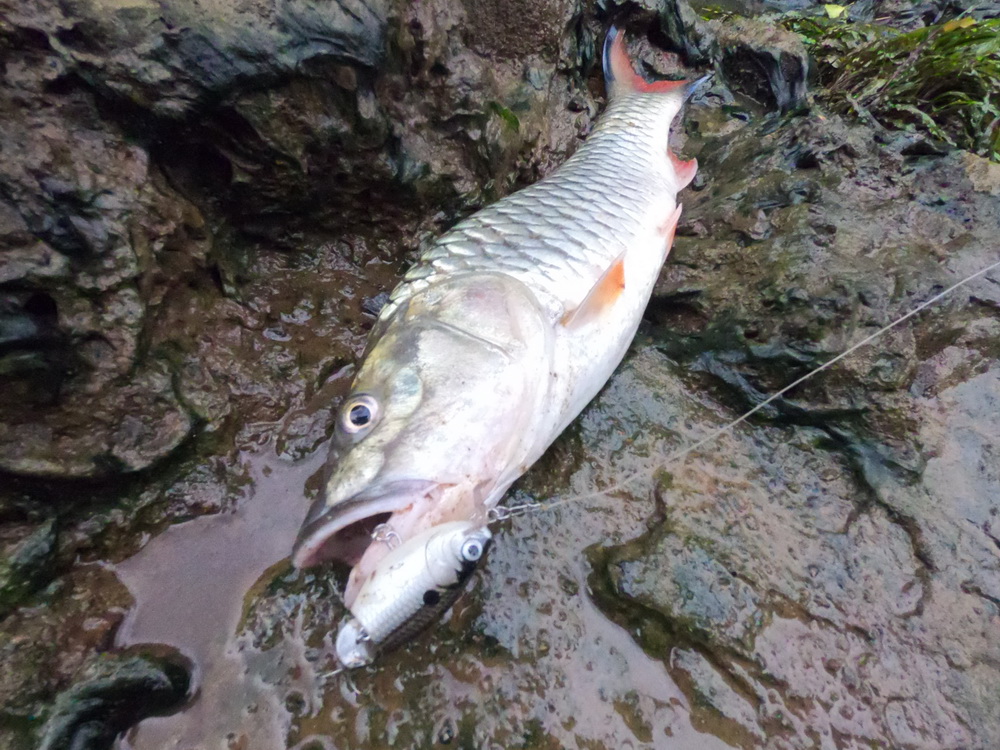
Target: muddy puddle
{"points": [[190, 584]]}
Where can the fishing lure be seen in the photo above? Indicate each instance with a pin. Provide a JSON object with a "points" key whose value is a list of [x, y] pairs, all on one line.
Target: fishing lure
{"points": [[415, 583]]}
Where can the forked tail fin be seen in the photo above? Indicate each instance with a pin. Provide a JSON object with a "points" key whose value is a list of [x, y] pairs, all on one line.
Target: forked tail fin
{"points": [[621, 77]]}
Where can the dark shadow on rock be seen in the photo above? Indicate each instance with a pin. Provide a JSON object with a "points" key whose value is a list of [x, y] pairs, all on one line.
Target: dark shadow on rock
{"points": [[114, 693], [27, 566]]}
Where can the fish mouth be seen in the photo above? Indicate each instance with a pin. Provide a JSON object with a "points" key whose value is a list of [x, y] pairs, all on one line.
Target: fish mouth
{"points": [[344, 531]]}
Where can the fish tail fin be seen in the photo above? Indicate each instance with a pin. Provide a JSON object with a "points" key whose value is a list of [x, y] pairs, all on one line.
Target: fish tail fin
{"points": [[622, 80], [621, 77]]}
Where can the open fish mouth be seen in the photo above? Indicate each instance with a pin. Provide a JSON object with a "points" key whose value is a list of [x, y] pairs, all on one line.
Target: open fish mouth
{"points": [[344, 531]]}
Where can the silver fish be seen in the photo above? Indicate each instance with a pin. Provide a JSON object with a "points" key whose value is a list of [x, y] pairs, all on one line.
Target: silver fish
{"points": [[414, 584], [501, 333]]}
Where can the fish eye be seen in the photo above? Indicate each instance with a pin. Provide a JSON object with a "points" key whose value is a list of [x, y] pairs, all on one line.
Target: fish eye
{"points": [[472, 550], [359, 413]]}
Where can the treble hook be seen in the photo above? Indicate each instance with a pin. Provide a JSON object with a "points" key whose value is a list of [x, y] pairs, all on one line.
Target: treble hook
{"points": [[385, 533], [345, 680]]}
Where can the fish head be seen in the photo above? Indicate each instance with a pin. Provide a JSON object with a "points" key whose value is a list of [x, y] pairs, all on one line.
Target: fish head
{"points": [[365, 482], [439, 419]]}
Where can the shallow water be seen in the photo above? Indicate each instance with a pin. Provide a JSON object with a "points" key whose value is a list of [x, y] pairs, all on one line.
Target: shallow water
{"points": [[190, 584]]}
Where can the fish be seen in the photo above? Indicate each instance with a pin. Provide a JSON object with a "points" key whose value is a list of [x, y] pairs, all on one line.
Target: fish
{"points": [[414, 584], [500, 334]]}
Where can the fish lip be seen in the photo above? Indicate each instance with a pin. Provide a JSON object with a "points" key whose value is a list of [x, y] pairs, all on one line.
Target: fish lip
{"points": [[323, 522]]}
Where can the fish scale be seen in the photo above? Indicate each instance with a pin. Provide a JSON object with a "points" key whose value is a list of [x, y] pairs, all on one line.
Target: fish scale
{"points": [[554, 235]]}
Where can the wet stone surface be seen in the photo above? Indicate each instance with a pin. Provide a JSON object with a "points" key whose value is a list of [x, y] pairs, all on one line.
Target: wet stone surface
{"points": [[819, 567], [147, 145], [201, 206]]}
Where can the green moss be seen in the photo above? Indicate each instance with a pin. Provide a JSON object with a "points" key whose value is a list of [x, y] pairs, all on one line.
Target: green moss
{"points": [[943, 80]]}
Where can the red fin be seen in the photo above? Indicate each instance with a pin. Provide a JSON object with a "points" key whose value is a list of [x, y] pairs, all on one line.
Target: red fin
{"points": [[607, 289], [621, 77], [669, 228], [685, 170]]}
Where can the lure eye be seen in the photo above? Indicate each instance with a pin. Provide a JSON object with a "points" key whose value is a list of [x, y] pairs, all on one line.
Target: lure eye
{"points": [[472, 550], [359, 414]]}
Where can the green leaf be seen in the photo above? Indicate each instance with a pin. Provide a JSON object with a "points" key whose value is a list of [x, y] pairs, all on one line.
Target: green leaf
{"points": [[504, 113]]}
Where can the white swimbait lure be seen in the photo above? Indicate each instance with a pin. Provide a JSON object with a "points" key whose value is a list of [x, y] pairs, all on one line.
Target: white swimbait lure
{"points": [[414, 584]]}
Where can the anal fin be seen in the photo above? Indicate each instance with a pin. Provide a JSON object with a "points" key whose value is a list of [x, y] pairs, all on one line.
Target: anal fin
{"points": [[604, 294], [669, 228], [684, 169]]}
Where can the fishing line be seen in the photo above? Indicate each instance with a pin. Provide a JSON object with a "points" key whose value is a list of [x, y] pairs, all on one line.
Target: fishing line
{"points": [[507, 512], [385, 534]]}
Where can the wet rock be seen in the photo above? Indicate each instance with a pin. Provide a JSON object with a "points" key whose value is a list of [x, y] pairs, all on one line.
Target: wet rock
{"points": [[761, 60], [835, 565], [113, 694], [91, 240], [517, 29], [45, 647], [736, 715], [122, 429], [702, 600], [26, 565], [275, 120], [172, 58], [304, 432]]}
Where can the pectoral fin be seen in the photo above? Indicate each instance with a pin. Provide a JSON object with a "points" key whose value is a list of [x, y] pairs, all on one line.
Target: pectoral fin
{"points": [[604, 293]]}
